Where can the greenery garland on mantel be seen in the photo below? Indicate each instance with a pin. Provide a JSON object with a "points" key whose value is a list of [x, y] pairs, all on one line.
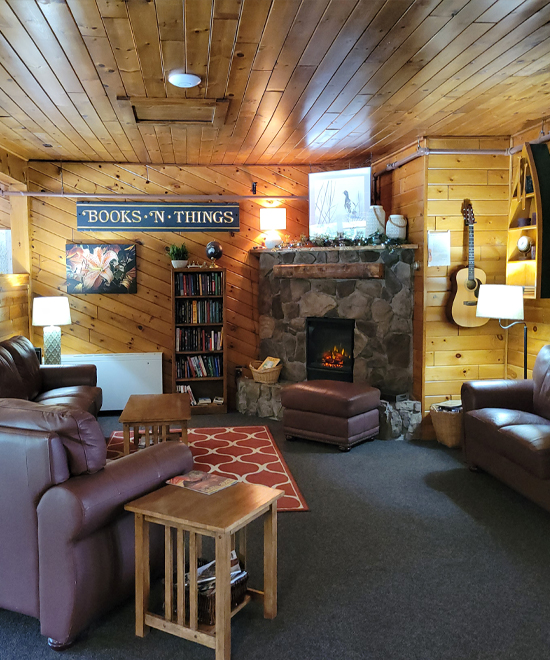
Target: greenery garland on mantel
{"points": [[376, 241]]}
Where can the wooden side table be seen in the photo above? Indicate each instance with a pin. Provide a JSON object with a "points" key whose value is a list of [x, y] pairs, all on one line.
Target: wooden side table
{"points": [[223, 516], [156, 412]]}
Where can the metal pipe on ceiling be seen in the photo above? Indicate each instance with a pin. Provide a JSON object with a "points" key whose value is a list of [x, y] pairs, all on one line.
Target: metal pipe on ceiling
{"points": [[171, 198], [426, 151]]}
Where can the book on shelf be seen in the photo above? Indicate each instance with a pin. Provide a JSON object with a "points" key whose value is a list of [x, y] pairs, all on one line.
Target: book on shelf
{"points": [[204, 401], [218, 400], [182, 389], [201, 482]]}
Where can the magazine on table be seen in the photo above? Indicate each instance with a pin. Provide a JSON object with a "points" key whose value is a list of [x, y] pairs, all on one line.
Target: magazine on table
{"points": [[206, 575], [201, 482]]}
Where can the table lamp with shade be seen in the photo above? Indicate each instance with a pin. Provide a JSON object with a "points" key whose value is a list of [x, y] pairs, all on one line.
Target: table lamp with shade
{"points": [[503, 301], [51, 312], [272, 219]]}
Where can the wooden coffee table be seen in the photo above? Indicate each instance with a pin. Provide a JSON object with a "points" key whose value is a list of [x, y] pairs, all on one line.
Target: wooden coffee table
{"points": [[223, 516], [156, 412]]}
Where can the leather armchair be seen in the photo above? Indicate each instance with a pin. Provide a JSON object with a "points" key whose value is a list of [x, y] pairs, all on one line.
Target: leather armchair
{"points": [[66, 543]]}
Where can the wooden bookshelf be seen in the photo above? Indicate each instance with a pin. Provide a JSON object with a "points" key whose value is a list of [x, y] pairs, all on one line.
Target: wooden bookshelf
{"points": [[530, 199], [199, 358]]}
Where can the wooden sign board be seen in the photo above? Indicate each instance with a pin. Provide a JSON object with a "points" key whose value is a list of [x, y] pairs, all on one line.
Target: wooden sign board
{"points": [[125, 216]]}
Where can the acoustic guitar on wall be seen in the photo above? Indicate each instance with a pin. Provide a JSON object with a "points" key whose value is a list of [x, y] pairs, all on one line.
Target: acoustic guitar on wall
{"points": [[466, 281]]}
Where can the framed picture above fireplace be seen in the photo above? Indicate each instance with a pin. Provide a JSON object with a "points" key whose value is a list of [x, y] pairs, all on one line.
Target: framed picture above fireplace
{"points": [[338, 202]]}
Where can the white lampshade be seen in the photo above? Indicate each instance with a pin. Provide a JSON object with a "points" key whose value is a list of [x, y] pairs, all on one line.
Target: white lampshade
{"points": [[500, 301], [51, 311], [179, 78], [272, 219]]}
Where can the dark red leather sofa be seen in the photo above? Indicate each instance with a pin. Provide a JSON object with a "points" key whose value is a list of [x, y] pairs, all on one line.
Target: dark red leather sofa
{"points": [[66, 543], [507, 430]]}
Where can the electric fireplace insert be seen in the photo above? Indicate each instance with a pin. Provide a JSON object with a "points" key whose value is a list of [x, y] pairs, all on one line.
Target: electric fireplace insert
{"points": [[329, 348]]}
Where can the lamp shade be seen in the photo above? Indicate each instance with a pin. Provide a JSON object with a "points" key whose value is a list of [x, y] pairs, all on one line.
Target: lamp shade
{"points": [[272, 219], [51, 311], [180, 78], [500, 301]]}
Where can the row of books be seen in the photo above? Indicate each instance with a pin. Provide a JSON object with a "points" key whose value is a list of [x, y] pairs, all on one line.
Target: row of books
{"points": [[198, 339], [199, 366], [199, 311], [198, 284], [202, 400]]}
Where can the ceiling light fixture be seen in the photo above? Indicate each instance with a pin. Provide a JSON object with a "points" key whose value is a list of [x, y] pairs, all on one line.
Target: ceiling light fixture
{"points": [[179, 78]]}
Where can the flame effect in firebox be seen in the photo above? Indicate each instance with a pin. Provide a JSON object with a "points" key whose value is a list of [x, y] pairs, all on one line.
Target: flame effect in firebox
{"points": [[334, 358]]}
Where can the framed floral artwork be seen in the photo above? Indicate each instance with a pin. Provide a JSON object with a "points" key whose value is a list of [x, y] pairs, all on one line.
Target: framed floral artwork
{"points": [[101, 268]]}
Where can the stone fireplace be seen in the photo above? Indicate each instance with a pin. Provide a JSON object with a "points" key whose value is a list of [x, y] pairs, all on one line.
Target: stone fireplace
{"points": [[370, 285]]}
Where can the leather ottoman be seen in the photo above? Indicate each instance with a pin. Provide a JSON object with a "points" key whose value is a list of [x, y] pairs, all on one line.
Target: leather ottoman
{"points": [[336, 412]]}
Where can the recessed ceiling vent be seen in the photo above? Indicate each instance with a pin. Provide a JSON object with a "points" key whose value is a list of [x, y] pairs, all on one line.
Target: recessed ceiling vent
{"points": [[184, 112]]}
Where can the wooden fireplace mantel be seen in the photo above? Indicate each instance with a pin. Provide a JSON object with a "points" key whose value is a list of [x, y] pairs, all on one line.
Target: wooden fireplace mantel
{"points": [[338, 271]]}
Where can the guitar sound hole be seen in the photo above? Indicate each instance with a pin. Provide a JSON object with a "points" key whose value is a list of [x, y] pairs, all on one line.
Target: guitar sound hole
{"points": [[471, 284]]}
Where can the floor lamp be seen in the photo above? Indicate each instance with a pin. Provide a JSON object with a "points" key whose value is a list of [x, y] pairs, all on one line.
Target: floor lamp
{"points": [[503, 301], [51, 312]]}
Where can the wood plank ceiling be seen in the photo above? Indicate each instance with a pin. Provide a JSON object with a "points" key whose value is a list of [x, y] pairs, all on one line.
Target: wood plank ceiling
{"points": [[304, 81]]}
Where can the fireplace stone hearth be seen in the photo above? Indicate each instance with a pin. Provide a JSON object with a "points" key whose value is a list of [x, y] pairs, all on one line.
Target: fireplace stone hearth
{"points": [[380, 305]]}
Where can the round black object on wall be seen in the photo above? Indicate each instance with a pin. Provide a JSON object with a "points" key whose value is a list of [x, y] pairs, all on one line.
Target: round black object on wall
{"points": [[214, 250]]}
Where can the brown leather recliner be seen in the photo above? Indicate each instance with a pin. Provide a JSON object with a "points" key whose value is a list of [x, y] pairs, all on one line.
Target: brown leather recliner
{"points": [[66, 543], [507, 430]]}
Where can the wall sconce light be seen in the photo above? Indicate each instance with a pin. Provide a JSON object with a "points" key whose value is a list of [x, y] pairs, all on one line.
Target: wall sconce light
{"points": [[271, 220], [51, 312]]}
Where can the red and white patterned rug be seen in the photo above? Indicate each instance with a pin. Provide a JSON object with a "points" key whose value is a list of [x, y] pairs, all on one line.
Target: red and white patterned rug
{"points": [[245, 453]]}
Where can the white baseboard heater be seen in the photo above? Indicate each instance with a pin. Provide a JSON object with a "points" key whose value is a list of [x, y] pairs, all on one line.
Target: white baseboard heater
{"points": [[121, 374]]}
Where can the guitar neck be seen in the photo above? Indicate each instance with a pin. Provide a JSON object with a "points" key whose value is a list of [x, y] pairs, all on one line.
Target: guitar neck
{"points": [[470, 252]]}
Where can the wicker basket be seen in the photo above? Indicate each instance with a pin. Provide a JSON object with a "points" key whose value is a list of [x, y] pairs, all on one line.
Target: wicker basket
{"points": [[448, 425], [207, 603], [266, 375]]}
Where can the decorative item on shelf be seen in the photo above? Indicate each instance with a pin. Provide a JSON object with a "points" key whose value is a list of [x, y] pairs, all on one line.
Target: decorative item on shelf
{"points": [[396, 227], [51, 312], [524, 222], [504, 301], [534, 219], [375, 220], [178, 255], [214, 252], [524, 245], [271, 220]]}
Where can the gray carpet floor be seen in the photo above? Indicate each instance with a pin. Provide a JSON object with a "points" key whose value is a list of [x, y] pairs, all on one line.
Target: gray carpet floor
{"points": [[404, 555]]}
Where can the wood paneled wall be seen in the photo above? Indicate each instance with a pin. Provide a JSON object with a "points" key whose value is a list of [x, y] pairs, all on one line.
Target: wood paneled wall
{"points": [[454, 354], [430, 190], [14, 308], [142, 322]]}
